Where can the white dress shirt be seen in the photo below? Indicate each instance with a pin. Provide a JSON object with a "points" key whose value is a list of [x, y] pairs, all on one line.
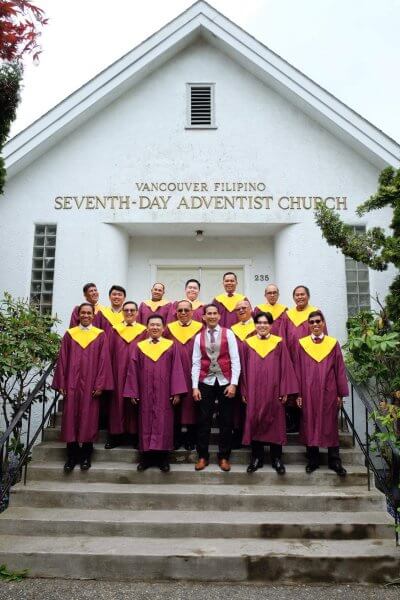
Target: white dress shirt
{"points": [[233, 353]]}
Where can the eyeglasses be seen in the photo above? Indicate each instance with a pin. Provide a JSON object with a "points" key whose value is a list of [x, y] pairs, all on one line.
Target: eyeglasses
{"points": [[272, 293], [315, 322], [130, 310], [183, 310], [241, 308]]}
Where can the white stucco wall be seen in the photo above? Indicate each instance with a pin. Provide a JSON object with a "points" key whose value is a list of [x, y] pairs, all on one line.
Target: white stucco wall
{"points": [[142, 137]]}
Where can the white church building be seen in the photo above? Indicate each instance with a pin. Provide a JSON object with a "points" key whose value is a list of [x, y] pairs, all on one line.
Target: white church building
{"points": [[198, 152]]}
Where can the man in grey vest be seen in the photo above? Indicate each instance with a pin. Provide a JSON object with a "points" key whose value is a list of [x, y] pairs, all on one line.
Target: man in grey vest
{"points": [[215, 375]]}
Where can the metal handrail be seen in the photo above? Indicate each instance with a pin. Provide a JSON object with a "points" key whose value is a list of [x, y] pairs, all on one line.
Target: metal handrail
{"points": [[13, 430]]}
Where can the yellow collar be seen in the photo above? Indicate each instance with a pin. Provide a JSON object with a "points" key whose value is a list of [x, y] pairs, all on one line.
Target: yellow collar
{"points": [[115, 318], [196, 303], [263, 347], [275, 309], [98, 308], [318, 351], [156, 305], [242, 331], [155, 351], [84, 337], [299, 316], [184, 334], [229, 301], [129, 332]]}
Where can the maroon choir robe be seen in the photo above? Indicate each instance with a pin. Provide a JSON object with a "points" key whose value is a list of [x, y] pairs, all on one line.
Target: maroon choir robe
{"points": [[295, 327], [122, 415], [278, 314], [74, 320], [107, 319], [83, 365], [150, 307], [267, 375], [242, 332], [184, 337], [226, 307], [322, 379], [155, 374], [197, 306]]}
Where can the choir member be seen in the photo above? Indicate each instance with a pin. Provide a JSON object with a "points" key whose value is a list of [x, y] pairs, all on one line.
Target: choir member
{"points": [[183, 332], [276, 309], [227, 301], [154, 382], [215, 375], [156, 305], [82, 373], [192, 291], [322, 380], [122, 417], [112, 315], [267, 379], [91, 295]]}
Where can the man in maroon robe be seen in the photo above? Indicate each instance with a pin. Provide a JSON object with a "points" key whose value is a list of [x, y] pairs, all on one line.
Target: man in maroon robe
{"points": [[266, 380], [276, 309], [226, 302], [154, 382], [215, 375], [82, 373], [112, 315], [192, 291], [323, 384], [156, 305], [91, 295], [122, 418]]}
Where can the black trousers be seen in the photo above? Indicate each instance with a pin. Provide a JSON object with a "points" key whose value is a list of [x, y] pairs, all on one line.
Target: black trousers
{"points": [[210, 394], [79, 453], [314, 458], [154, 457], [257, 450]]}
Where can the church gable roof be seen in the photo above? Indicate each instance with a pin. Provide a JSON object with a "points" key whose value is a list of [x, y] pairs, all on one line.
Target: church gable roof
{"points": [[201, 19]]}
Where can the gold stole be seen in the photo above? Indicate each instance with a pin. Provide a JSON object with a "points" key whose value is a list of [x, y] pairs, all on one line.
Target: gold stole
{"points": [[129, 332], [84, 337], [196, 304], [318, 351], [299, 316], [230, 301], [98, 308], [275, 309], [263, 347], [114, 318], [184, 334], [155, 351], [242, 331], [156, 305]]}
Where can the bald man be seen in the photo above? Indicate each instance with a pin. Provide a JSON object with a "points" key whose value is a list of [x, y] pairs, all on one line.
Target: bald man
{"points": [[272, 306]]}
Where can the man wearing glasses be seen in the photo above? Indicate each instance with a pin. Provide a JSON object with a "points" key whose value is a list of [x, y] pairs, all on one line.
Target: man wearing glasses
{"points": [[215, 375], [275, 309], [322, 380], [183, 331], [122, 416]]}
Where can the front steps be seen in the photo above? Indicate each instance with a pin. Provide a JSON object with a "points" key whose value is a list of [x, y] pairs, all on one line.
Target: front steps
{"points": [[115, 523]]}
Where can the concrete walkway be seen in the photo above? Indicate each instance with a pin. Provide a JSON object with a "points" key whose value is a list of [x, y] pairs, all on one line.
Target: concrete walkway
{"points": [[60, 589]]}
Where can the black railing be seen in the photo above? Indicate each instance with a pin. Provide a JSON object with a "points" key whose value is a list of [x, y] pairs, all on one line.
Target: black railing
{"points": [[21, 434], [382, 458]]}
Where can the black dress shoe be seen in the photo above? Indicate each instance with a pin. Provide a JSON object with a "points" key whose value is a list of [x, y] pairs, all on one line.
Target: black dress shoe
{"points": [[279, 467], [256, 463], [190, 446], [164, 467], [70, 464], [311, 467], [110, 443], [338, 468], [142, 466], [85, 464]]}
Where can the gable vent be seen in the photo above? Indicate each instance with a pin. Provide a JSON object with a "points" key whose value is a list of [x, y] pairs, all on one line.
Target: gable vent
{"points": [[201, 105]]}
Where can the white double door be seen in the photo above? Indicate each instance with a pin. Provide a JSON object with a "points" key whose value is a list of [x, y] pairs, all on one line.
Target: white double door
{"points": [[210, 279]]}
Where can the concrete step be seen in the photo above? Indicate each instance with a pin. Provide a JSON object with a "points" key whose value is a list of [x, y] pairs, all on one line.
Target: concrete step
{"points": [[194, 524], [53, 434], [124, 558], [78, 494], [124, 473], [55, 451]]}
